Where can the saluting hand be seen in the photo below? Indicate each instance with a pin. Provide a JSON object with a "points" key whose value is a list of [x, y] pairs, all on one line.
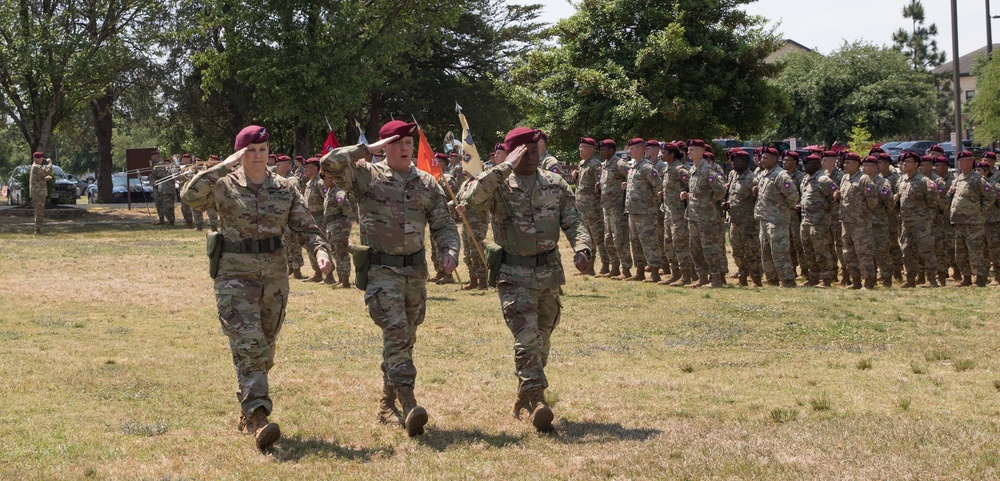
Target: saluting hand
{"points": [[235, 158], [517, 156], [378, 146]]}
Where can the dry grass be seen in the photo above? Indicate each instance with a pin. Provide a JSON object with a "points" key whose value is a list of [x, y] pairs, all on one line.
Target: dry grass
{"points": [[116, 369]]}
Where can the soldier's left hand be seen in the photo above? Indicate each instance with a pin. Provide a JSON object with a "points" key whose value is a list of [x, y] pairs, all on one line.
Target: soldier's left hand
{"points": [[581, 261], [449, 263], [460, 209], [624, 185], [325, 266]]}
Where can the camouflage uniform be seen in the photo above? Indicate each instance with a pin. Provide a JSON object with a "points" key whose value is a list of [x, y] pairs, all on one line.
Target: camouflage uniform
{"points": [[165, 192], [837, 176], [706, 189], [588, 203], [968, 195], [991, 217], [675, 225], [641, 199], [616, 237], [191, 216], [744, 230], [479, 222], [857, 199], [944, 231], [450, 181], [918, 199], [293, 249], [894, 225], [550, 163], [251, 289], [666, 243], [817, 237], [527, 216], [395, 208], [796, 223], [313, 195], [38, 189], [338, 210], [880, 229], [776, 198]]}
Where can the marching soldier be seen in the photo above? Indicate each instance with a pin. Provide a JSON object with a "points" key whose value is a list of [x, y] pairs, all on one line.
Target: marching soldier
{"points": [[744, 230], [163, 192], [880, 220], [857, 198], [675, 225], [529, 207], [616, 237], [313, 195], [396, 202], [918, 199], [641, 196], [816, 206], [588, 200], [293, 249], [38, 188], [968, 195], [337, 213], [706, 191], [776, 198]]}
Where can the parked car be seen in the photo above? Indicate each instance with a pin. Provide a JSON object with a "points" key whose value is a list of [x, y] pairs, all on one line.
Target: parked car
{"points": [[142, 191], [62, 192], [892, 148], [81, 186], [918, 146]]}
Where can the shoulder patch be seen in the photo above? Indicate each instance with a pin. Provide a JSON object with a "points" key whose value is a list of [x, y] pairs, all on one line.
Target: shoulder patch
{"points": [[868, 188], [931, 184], [788, 185], [684, 176], [555, 169], [986, 187], [885, 191], [711, 178], [653, 172]]}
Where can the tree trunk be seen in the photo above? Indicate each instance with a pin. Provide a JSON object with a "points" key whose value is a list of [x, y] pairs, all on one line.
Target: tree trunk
{"points": [[375, 107], [300, 141], [101, 108]]}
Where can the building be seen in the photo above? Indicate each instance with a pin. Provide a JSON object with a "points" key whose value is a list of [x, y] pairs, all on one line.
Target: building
{"points": [[966, 81], [787, 47]]}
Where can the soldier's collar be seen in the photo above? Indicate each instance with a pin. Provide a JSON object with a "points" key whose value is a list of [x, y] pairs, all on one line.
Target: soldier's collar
{"points": [[241, 179]]}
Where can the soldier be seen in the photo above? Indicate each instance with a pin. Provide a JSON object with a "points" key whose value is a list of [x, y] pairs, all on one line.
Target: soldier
{"points": [[396, 202], [642, 191], [665, 246], [816, 207], [968, 195], [187, 169], [917, 199], [447, 182], [706, 191], [891, 175], [616, 237], [213, 216], [337, 213], [588, 200], [858, 197], [472, 235], [38, 188], [880, 220], [293, 249], [163, 192], [776, 198], [830, 161], [790, 162], [454, 168], [943, 230], [744, 230], [499, 154], [549, 162], [272, 159], [991, 219], [675, 180], [529, 207], [313, 195], [251, 290]]}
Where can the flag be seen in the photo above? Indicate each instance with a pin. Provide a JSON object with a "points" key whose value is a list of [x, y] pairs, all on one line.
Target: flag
{"points": [[470, 160], [361, 133], [331, 142], [425, 157]]}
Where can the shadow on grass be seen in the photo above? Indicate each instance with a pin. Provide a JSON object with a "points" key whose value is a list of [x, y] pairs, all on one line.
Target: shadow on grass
{"points": [[571, 432], [591, 296], [294, 448], [440, 299], [442, 439]]}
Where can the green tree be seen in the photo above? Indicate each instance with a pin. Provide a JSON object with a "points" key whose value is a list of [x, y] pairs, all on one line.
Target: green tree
{"points": [[918, 44], [827, 94], [639, 67], [861, 141], [984, 108]]}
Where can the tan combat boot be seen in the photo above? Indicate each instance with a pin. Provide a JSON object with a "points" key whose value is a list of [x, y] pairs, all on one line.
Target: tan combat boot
{"points": [[702, 281], [980, 281], [329, 279], [447, 279], [718, 280], [604, 270], [473, 284], [827, 282], [789, 284], [387, 411], [613, 273], [675, 275], [869, 284], [626, 274], [684, 280], [416, 416], [921, 280], [932, 282], [265, 433], [483, 286], [654, 277], [886, 280], [911, 281], [855, 282], [966, 280], [757, 281], [297, 273], [345, 281], [640, 273], [521, 404], [317, 277], [743, 280], [541, 413]]}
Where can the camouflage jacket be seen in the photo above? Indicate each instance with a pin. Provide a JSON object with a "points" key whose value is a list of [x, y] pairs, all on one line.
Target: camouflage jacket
{"points": [[37, 185], [314, 196], [587, 195], [550, 163], [675, 181], [644, 185], [447, 181], [706, 190], [968, 196], [613, 172], [991, 206], [776, 197], [837, 176], [163, 170], [857, 198], [886, 204], [395, 207], [943, 186], [741, 196], [247, 215], [817, 199], [918, 198], [527, 217], [337, 205]]}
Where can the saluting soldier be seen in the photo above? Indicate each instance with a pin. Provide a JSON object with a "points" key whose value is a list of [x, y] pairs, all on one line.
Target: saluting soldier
{"points": [[641, 202], [816, 206], [857, 198], [675, 224], [529, 207], [968, 195], [706, 191], [38, 189], [918, 200], [616, 238], [776, 198], [396, 202], [588, 200], [744, 230], [163, 192]]}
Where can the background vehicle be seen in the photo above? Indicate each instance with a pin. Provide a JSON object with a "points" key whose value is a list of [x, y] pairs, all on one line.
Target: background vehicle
{"points": [[918, 146], [61, 189], [142, 191], [892, 148]]}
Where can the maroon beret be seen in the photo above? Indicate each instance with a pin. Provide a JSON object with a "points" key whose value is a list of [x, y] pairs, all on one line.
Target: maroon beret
{"points": [[708, 148], [936, 148], [653, 143], [588, 141], [906, 155], [884, 156], [758, 150], [299, 157], [636, 141], [793, 154], [272, 156], [927, 158], [520, 136], [738, 152], [607, 143], [441, 156], [852, 156], [964, 153], [671, 147], [186, 156], [499, 147], [543, 136], [312, 160], [216, 157], [696, 143], [876, 150], [940, 159], [284, 158], [709, 155], [251, 134], [813, 157], [39, 155], [871, 159], [397, 127], [984, 164], [830, 153], [990, 155], [770, 150]]}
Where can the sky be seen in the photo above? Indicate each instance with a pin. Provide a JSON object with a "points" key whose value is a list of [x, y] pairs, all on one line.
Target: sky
{"points": [[824, 25]]}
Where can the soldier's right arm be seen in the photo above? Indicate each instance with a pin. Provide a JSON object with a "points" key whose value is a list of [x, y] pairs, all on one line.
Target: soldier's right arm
{"points": [[341, 164], [481, 191], [198, 192]]}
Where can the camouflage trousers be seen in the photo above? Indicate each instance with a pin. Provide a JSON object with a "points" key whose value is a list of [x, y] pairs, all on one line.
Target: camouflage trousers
{"points": [[794, 231], [883, 257], [187, 213], [944, 244], [38, 209], [616, 225], [744, 238], [436, 257], [666, 244], [313, 261], [859, 249], [531, 315], [895, 226], [251, 311], [645, 242], [293, 249], [991, 248], [969, 241], [677, 233], [775, 250], [397, 304], [470, 254], [213, 219], [338, 234], [593, 220], [817, 242], [165, 205], [838, 243], [917, 242], [708, 254]]}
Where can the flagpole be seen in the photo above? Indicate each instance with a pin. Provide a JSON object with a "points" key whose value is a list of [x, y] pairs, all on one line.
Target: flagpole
{"points": [[465, 221], [328, 123]]}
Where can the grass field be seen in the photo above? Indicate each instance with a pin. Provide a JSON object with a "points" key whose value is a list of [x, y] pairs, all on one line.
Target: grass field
{"points": [[116, 369]]}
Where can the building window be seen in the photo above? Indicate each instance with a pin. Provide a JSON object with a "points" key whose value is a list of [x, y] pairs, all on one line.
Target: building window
{"points": [[969, 94]]}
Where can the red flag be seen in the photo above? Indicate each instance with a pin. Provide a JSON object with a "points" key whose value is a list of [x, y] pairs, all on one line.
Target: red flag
{"points": [[425, 157], [331, 142]]}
